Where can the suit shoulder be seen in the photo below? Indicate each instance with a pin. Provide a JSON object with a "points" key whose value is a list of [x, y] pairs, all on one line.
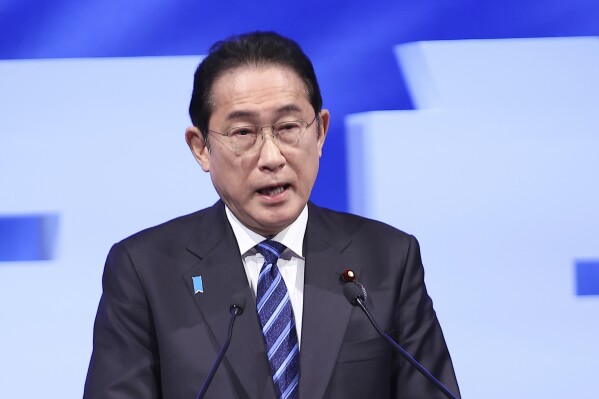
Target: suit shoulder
{"points": [[350, 222], [177, 230]]}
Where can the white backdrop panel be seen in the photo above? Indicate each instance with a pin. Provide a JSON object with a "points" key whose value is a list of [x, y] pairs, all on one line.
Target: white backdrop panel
{"points": [[498, 179], [100, 142]]}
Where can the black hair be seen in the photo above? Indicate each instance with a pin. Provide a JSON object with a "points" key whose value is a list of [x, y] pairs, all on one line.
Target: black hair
{"points": [[250, 49]]}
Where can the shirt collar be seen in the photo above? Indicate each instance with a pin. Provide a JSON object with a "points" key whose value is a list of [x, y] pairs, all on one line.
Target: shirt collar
{"points": [[292, 236]]}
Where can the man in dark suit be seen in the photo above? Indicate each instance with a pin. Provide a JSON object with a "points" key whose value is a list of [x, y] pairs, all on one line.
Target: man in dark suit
{"points": [[258, 129]]}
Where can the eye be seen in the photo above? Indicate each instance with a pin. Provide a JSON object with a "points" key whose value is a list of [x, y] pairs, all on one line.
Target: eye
{"points": [[242, 131], [288, 127]]}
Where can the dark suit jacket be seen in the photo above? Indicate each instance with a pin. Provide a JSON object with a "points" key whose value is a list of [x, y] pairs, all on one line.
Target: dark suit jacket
{"points": [[153, 338]]}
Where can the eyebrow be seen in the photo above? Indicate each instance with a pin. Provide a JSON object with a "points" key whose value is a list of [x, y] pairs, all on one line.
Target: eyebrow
{"points": [[289, 108], [240, 114]]}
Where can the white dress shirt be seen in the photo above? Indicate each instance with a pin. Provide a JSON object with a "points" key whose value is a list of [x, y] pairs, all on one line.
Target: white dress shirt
{"points": [[291, 264]]}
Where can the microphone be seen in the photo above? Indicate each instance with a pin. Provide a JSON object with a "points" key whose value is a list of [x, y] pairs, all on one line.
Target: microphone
{"points": [[236, 309], [355, 293]]}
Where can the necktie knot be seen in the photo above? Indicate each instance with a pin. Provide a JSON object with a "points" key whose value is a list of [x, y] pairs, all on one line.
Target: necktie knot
{"points": [[271, 250]]}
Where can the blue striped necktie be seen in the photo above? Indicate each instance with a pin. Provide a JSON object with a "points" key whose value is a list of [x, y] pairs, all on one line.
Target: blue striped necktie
{"points": [[278, 324]]}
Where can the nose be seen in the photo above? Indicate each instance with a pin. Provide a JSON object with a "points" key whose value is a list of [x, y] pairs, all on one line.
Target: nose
{"points": [[271, 157]]}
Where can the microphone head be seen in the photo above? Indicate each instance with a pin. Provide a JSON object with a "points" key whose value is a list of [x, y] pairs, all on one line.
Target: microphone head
{"points": [[237, 303], [353, 292]]}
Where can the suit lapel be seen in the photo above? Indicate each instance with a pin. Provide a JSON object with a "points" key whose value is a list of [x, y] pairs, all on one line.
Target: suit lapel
{"points": [[223, 276], [325, 316], [326, 311]]}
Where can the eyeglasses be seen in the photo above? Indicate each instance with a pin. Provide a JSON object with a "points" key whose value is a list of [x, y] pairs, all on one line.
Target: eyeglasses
{"points": [[241, 139]]}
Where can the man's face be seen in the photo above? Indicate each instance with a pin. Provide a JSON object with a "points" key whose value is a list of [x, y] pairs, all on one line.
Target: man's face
{"points": [[267, 187]]}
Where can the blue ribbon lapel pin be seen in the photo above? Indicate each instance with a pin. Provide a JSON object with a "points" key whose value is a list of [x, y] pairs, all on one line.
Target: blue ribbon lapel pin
{"points": [[198, 285]]}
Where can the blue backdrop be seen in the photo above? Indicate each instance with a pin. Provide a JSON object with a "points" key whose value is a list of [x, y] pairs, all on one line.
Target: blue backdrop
{"points": [[349, 42]]}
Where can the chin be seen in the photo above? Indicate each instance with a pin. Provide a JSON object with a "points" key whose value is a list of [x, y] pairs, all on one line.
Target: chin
{"points": [[277, 221]]}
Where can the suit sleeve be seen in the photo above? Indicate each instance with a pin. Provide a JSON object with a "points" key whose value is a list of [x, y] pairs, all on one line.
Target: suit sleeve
{"points": [[420, 334], [124, 362]]}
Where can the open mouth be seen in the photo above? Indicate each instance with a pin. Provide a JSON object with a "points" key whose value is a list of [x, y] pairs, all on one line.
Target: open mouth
{"points": [[274, 190]]}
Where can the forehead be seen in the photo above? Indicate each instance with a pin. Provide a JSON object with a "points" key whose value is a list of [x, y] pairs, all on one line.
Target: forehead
{"points": [[259, 88]]}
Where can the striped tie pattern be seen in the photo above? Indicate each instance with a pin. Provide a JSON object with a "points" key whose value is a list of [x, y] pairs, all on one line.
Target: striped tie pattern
{"points": [[278, 324]]}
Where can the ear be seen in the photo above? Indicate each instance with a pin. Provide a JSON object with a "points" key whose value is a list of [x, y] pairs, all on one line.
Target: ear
{"points": [[198, 147], [325, 117]]}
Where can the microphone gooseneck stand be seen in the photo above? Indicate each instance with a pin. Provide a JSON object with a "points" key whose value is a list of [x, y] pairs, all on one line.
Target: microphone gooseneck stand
{"points": [[354, 293], [235, 311]]}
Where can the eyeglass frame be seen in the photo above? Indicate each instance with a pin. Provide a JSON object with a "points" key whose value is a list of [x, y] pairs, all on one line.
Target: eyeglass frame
{"points": [[276, 140]]}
